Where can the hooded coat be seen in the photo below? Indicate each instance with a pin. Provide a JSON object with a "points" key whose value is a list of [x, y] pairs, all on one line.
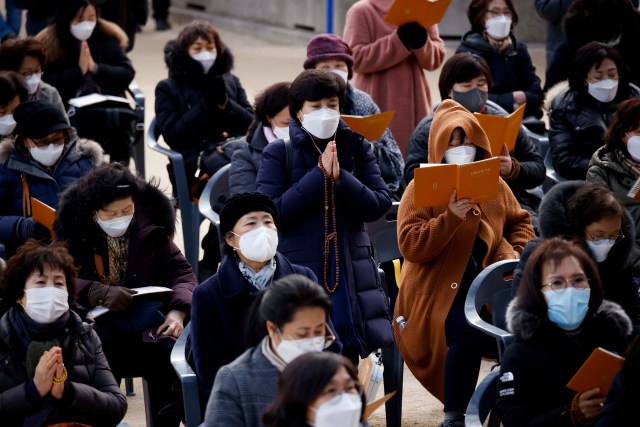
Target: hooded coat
{"points": [[536, 367], [511, 71], [107, 44], [615, 271], [436, 245], [577, 125], [96, 398], [607, 169], [153, 257], [78, 158], [359, 305], [387, 70], [184, 119]]}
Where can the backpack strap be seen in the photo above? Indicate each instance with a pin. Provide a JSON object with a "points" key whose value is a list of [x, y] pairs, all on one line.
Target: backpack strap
{"points": [[288, 149]]}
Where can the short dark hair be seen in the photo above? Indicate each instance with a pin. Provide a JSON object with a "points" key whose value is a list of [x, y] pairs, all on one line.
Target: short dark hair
{"points": [[198, 29], [279, 302], [268, 103], [32, 256], [66, 13], [626, 118], [590, 203], [301, 383], [476, 11], [593, 54], [13, 52], [460, 68], [314, 85], [555, 250], [11, 85]]}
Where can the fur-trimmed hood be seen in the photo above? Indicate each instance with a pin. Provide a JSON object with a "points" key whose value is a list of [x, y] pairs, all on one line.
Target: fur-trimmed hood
{"points": [[524, 324], [74, 222], [77, 148], [554, 91], [49, 38], [182, 67]]}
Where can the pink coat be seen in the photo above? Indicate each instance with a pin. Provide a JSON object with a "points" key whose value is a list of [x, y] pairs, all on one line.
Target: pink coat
{"points": [[388, 71]]}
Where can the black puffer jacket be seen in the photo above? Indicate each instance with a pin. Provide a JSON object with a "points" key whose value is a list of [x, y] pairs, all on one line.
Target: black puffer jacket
{"points": [[537, 366], [95, 398], [615, 271], [532, 170], [577, 125], [184, 120]]}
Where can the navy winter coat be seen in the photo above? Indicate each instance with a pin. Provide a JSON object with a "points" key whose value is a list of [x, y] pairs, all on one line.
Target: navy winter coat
{"points": [[511, 71], [245, 163], [78, 158], [218, 313], [359, 305]]}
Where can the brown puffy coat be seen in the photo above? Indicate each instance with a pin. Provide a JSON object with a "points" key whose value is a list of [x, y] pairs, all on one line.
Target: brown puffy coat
{"points": [[436, 245]]}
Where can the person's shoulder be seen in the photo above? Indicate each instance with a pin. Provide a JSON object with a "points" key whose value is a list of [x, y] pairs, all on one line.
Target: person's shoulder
{"points": [[7, 148], [89, 149], [613, 314]]}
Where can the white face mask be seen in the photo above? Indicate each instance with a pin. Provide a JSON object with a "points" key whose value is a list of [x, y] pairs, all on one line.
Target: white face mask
{"points": [[48, 155], [7, 124], [633, 147], [259, 244], [344, 75], [83, 30], [290, 349], [115, 227], [206, 58], [281, 133], [33, 81], [344, 410], [321, 123], [600, 250], [460, 155], [604, 90], [46, 305], [498, 27]]}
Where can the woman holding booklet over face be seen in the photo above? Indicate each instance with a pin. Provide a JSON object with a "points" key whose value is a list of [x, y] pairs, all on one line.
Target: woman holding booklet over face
{"points": [[445, 247], [119, 230], [559, 317]]}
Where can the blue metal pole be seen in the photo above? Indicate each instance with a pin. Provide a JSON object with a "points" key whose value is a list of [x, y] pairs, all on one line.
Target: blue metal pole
{"points": [[329, 16]]}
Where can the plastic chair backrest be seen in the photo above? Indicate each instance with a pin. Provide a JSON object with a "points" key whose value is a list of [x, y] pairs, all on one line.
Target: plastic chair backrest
{"points": [[214, 194], [189, 213], [491, 288], [552, 177], [137, 146], [188, 379], [483, 400], [383, 234]]}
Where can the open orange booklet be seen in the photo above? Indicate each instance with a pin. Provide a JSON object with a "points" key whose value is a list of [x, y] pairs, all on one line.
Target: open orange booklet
{"points": [[597, 371], [435, 182], [501, 129], [43, 213], [371, 127], [425, 12]]}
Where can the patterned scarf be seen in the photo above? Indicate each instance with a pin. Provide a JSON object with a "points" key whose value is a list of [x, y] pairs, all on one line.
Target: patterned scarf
{"points": [[262, 278], [628, 164], [118, 248]]}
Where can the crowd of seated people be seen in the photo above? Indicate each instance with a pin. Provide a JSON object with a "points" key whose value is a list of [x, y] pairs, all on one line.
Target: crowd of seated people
{"points": [[291, 301]]}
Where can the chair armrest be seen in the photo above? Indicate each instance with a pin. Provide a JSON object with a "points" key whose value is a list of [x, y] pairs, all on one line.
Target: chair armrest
{"points": [[188, 379], [204, 204], [483, 400]]}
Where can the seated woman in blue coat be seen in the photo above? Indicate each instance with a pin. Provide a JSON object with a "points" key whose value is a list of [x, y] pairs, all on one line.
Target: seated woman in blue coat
{"points": [[250, 264], [333, 187]]}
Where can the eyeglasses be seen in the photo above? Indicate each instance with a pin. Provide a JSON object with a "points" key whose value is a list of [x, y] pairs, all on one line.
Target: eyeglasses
{"points": [[44, 142], [497, 12], [559, 284], [598, 240]]}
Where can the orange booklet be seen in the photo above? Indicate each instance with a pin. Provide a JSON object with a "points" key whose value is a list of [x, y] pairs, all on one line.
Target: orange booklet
{"points": [[597, 371], [501, 129], [435, 182], [371, 127], [425, 12], [43, 213]]}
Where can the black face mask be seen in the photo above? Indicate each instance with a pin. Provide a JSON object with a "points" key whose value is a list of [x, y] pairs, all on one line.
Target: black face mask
{"points": [[473, 100]]}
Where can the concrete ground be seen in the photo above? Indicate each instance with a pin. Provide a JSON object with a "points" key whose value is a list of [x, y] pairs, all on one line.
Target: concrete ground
{"points": [[259, 64]]}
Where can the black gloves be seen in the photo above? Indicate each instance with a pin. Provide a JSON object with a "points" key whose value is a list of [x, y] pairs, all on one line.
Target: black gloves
{"points": [[412, 35], [115, 298], [215, 92], [26, 228]]}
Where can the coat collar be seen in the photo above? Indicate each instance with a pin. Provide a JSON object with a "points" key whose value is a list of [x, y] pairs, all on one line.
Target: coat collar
{"points": [[233, 283], [476, 40]]}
